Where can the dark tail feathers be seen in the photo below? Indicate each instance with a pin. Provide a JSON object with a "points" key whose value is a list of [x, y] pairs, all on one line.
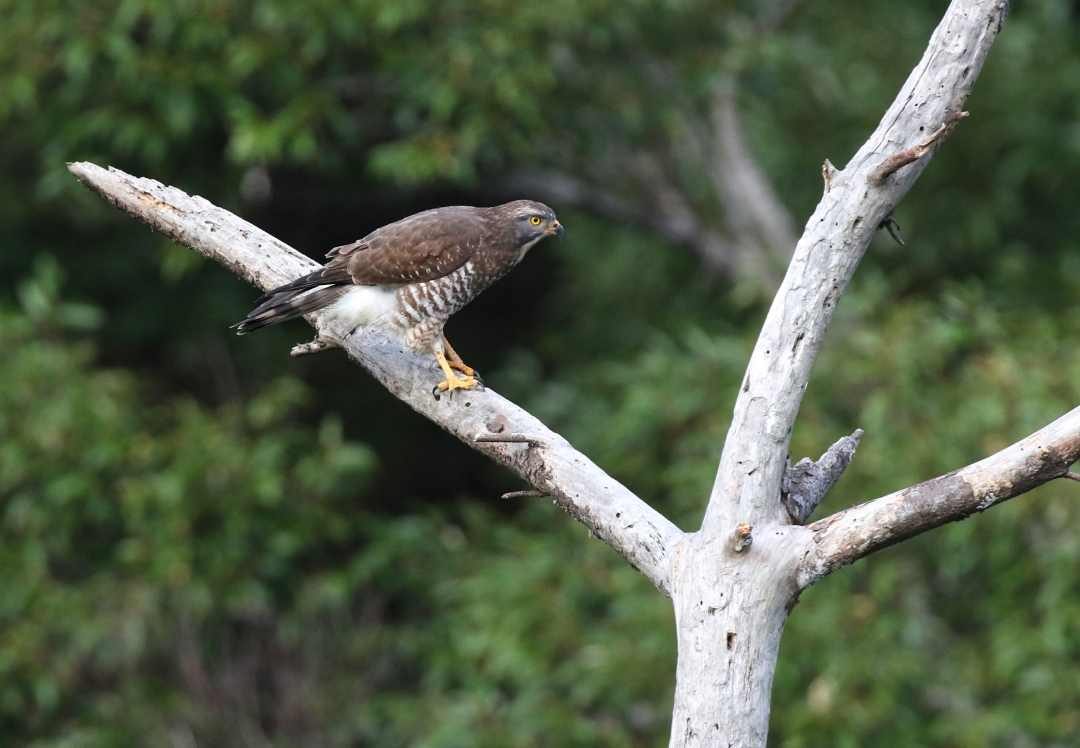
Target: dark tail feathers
{"points": [[324, 276], [286, 303]]}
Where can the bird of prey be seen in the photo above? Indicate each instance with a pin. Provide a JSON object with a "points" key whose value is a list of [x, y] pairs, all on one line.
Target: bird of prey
{"points": [[407, 278]]}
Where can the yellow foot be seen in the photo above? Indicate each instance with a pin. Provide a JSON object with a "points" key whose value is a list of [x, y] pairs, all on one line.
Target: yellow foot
{"points": [[453, 381], [458, 383]]}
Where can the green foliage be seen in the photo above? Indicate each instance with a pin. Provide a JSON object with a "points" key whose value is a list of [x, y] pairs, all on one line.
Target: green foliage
{"points": [[168, 567], [444, 87], [124, 518]]}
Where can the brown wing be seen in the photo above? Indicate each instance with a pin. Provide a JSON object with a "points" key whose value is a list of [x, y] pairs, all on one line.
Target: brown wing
{"points": [[419, 248]]}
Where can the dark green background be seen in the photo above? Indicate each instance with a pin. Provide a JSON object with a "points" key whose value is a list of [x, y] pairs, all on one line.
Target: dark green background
{"points": [[204, 542]]}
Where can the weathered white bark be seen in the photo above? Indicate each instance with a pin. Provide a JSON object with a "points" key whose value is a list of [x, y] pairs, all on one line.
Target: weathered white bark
{"points": [[734, 582], [835, 238], [606, 507]]}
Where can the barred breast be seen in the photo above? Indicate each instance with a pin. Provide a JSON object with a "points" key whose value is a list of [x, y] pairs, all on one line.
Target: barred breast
{"points": [[414, 313], [422, 309]]}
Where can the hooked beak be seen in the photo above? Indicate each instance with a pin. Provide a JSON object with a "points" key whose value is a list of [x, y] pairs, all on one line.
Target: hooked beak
{"points": [[555, 228]]}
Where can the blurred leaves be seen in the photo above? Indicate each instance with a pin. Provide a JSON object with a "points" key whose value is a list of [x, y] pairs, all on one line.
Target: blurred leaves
{"points": [[39, 297], [120, 514], [165, 566]]}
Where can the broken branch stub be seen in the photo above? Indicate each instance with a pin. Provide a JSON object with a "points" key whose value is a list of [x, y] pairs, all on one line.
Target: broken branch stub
{"points": [[806, 484]]}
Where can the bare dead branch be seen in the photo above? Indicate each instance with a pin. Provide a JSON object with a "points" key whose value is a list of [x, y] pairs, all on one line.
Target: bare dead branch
{"points": [[836, 237], [910, 155], [861, 530], [608, 509], [734, 583], [505, 438], [742, 538], [524, 495], [827, 173], [310, 348]]}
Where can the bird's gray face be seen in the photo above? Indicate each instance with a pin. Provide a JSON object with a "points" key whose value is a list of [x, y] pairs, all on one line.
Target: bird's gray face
{"points": [[533, 221]]}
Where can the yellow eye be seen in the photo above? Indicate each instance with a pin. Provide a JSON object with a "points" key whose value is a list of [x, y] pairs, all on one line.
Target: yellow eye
{"points": [[535, 220]]}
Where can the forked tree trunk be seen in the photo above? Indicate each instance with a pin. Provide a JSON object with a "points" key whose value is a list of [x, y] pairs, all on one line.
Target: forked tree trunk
{"points": [[732, 600], [730, 611]]}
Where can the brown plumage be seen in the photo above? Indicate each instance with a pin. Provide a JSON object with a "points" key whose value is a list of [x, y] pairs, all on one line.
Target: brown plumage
{"points": [[406, 279]]}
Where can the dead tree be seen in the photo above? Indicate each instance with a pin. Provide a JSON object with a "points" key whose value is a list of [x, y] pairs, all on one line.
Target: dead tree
{"points": [[734, 581]]}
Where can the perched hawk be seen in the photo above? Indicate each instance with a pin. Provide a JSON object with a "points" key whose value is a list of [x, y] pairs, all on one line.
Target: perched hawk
{"points": [[406, 279]]}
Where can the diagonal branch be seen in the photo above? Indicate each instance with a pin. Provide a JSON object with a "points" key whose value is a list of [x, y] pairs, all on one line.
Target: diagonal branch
{"points": [[861, 530], [747, 486], [537, 454]]}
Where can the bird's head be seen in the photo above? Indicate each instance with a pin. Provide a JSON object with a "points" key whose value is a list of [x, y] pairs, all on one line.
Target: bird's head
{"points": [[532, 221]]}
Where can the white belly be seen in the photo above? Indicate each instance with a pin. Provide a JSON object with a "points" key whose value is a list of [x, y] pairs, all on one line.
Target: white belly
{"points": [[370, 306]]}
